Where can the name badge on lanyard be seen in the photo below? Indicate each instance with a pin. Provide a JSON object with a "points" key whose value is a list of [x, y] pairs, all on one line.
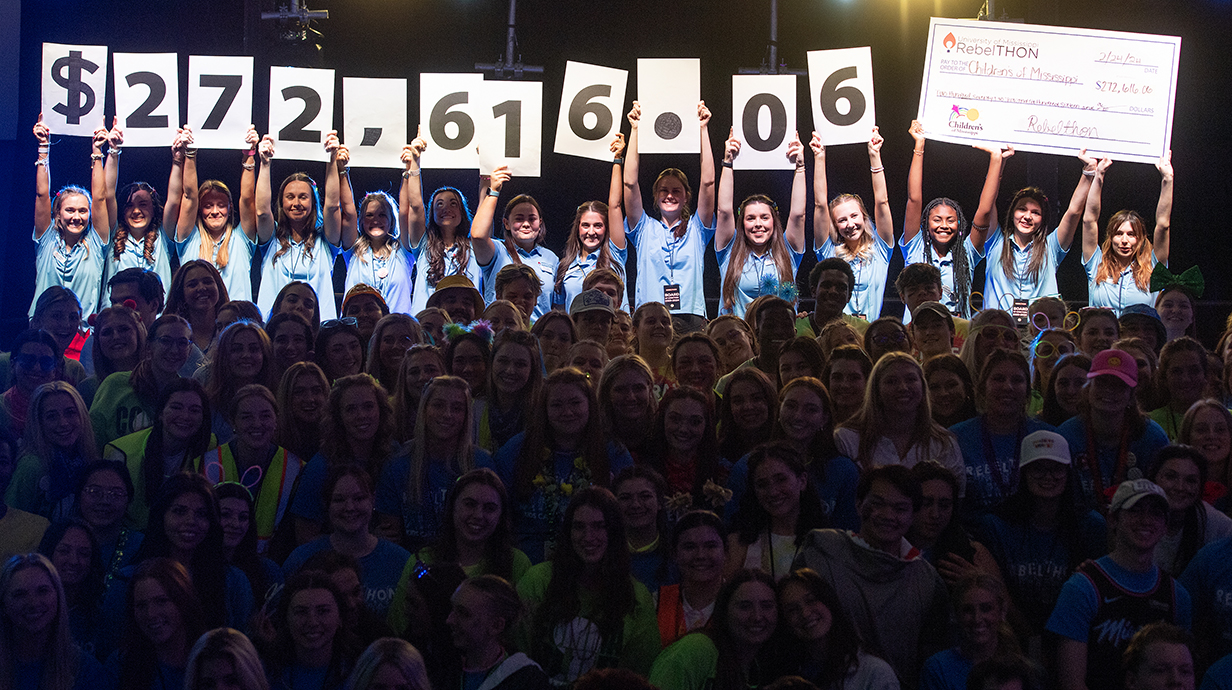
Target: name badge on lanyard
{"points": [[671, 296]]}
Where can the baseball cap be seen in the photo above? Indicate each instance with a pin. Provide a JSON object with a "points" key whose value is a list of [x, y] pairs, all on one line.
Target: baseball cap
{"points": [[1044, 445], [591, 300], [1116, 363], [459, 282], [1130, 492]]}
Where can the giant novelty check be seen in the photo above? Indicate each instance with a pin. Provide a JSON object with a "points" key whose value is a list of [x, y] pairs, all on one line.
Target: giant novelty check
{"points": [[1050, 89]]}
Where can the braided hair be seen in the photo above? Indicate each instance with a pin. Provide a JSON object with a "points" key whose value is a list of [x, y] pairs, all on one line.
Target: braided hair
{"points": [[962, 269]]}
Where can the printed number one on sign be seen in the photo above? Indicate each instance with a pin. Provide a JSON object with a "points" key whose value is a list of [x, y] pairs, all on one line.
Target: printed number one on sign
{"points": [[764, 120], [301, 111], [509, 120], [592, 107], [841, 88], [220, 100], [147, 96], [74, 88]]}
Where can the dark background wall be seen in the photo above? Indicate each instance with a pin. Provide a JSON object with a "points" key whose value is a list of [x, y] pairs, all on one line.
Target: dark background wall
{"points": [[401, 38]]}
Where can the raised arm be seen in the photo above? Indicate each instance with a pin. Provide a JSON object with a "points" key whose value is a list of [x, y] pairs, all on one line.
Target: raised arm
{"points": [[1077, 202], [1163, 210], [346, 199], [915, 184], [111, 172], [881, 193], [248, 187], [1090, 217], [264, 197], [175, 188], [823, 228], [705, 186], [615, 214], [99, 217], [633, 190], [985, 215], [410, 197], [485, 216], [794, 231], [725, 228], [331, 225], [42, 179]]}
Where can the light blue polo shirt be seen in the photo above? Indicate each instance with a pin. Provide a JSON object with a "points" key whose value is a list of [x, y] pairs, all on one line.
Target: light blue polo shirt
{"points": [[79, 269], [1000, 290], [391, 276], [296, 263], [871, 272], [237, 274], [576, 274], [540, 258], [1116, 294], [133, 256], [664, 260], [913, 253], [748, 286], [422, 291]]}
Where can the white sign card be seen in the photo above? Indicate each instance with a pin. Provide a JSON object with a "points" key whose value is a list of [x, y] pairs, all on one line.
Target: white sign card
{"points": [[509, 121], [374, 121], [447, 115], [764, 120], [1050, 89], [220, 100], [74, 88], [668, 90], [841, 86], [147, 97], [301, 111], [592, 110]]}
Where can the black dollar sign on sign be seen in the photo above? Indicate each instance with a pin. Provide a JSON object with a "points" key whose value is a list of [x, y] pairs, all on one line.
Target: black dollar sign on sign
{"points": [[72, 109]]}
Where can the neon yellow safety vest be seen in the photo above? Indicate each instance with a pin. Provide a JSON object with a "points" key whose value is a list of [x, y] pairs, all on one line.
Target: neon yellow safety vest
{"points": [[272, 497], [130, 450]]}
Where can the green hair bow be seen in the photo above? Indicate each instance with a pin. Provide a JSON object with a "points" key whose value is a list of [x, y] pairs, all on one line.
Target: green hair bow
{"points": [[1190, 280]]}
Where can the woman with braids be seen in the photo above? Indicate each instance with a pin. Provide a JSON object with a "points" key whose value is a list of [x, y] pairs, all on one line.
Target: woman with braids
{"points": [[1119, 270], [205, 222], [69, 253], [587, 611], [436, 236], [596, 238], [936, 233], [762, 251], [137, 239], [308, 235]]}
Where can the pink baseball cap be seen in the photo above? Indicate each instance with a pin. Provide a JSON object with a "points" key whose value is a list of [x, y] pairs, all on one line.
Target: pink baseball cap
{"points": [[1116, 363]]}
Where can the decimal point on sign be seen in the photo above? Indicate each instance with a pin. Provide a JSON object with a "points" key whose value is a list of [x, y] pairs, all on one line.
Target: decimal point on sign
{"points": [[668, 126]]}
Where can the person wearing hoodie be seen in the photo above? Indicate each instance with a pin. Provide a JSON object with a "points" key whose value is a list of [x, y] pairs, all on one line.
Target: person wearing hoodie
{"points": [[897, 600]]}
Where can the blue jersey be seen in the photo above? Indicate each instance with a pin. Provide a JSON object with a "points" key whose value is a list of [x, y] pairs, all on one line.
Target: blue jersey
{"points": [[870, 273], [542, 259], [80, 269], [663, 259], [756, 268], [392, 276], [1208, 577], [382, 568], [990, 480], [237, 274]]}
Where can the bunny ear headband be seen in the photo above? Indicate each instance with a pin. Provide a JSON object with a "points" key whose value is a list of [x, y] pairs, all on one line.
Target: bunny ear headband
{"points": [[481, 328]]}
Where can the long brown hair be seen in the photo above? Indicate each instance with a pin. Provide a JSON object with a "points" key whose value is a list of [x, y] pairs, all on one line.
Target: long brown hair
{"points": [[463, 459], [573, 245], [282, 230], [539, 439], [510, 246], [740, 250], [177, 304], [152, 231], [1038, 246], [363, 243], [206, 250], [1111, 266], [436, 240], [222, 384]]}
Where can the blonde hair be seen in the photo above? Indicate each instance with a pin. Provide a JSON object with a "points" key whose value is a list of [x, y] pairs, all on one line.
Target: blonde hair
{"points": [[206, 250], [63, 658], [35, 440], [870, 420], [864, 246], [363, 243], [463, 460]]}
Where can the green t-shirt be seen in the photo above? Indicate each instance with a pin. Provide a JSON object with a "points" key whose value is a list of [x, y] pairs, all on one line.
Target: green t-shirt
{"points": [[690, 663], [397, 618], [117, 411]]}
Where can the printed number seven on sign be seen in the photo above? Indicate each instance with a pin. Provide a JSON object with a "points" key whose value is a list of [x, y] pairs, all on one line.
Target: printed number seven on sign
{"points": [[841, 88], [219, 100], [447, 107]]}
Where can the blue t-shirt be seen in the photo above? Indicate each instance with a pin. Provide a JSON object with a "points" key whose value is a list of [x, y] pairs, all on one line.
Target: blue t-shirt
{"points": [[90, 675], [837, 492], [756, 268], [913, 253], [307, 503], [542, 259], [421, 524], [315, 267], [664, 260], [79, 269], [133, 256], [237, 274], [1116, 294], [870, 272], [945, 670], [1218, 676], [1143, 449], [990, 483], [1000, 290], [1035, 563], [1079, 601], [537, 519], [382, 568], [1209, 580], [419, 255], [581, 267], [391, 276]]}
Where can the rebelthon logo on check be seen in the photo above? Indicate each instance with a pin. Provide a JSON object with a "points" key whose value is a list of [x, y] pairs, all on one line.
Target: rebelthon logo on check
{"points": [[990, 48]]}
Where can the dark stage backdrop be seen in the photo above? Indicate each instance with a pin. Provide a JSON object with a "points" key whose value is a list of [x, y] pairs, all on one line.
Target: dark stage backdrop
{"points": [[401, 38]]}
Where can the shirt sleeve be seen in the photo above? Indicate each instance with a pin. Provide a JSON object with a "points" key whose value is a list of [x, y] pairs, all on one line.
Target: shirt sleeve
{"points": [[1092, 264], [1054, 248], [1076, 607], [825, 250]]}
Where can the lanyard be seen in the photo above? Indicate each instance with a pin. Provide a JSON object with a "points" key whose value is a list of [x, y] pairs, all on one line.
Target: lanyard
{"points": [[1097, 479], [991, 458]]}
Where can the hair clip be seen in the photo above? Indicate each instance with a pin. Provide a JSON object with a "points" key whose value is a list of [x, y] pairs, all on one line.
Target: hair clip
{"points": [[786, 290]]}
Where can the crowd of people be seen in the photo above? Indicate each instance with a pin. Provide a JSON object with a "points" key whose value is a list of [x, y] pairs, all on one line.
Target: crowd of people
{"points": [[489, 467]]}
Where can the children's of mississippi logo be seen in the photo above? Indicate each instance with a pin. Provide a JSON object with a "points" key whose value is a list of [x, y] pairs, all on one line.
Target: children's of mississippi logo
{"points": [[964, 119]]}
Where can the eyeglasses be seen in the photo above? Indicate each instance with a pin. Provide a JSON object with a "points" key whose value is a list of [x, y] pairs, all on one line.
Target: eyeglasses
{"points": [[338, 323], [169, 342], [1045, 349], [100, 492], [895, 338], [28, 361]]}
